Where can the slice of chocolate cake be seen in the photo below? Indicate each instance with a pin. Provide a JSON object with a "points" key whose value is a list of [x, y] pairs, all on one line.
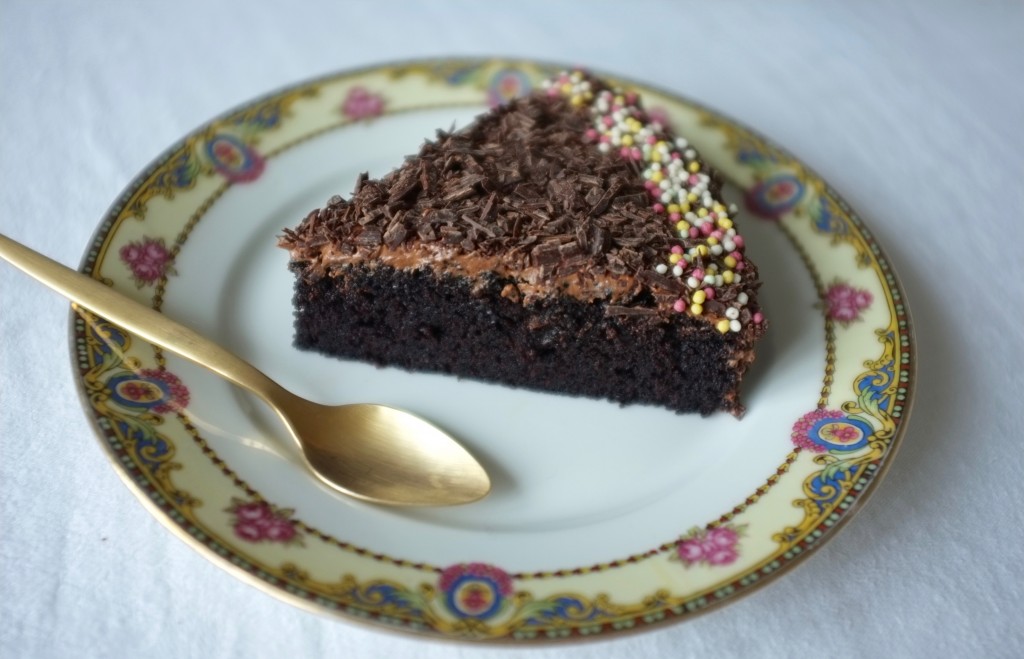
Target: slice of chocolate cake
{"points": [[564, 242]]}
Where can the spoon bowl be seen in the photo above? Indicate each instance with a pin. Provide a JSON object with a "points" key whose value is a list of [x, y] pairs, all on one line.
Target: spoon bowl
{"points": [[372, 452]]}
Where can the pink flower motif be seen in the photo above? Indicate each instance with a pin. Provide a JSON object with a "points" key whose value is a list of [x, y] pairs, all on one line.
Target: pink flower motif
{"points": [[258, 521], [361, 103], [716, 546], [722, 536], [250, 531], [278, 530], [253, 511], [722, 556], [690, 551], [843, 303], [802, 433], [177, 396], [148, 259], [501, 579]]}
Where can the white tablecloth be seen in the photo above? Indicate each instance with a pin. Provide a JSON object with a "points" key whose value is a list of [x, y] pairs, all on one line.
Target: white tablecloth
{"points": [[916, 115]]}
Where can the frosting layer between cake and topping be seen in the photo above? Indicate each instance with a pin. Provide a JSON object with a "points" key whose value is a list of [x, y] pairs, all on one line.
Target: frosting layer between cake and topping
{"points": [[570, 191]]}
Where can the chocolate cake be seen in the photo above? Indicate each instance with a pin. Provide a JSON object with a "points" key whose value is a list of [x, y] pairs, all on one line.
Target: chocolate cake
{"points": [[565, 242]]}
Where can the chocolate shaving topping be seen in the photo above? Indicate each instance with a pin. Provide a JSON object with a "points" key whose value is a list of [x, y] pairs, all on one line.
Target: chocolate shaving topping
{"points": [[521, 185]]}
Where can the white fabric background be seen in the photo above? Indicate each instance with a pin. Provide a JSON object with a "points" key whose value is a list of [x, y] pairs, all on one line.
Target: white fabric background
{"points": [[915, 114]]}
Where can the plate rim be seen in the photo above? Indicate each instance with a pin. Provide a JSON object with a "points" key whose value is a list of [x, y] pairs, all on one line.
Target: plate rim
{"points": [[87, 264]]}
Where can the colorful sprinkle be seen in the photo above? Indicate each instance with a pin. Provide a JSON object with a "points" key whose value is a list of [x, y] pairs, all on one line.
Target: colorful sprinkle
{"points": [[710, 254]]}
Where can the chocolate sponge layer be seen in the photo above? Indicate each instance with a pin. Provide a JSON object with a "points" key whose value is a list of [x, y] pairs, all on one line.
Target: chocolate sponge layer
{"points": [[422, 321]]}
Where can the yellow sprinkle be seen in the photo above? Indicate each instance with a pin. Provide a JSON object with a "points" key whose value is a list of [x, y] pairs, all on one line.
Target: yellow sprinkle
{"points": [[692, 197], [725, 223], [576, 100], [727, 276], [694, 167], [722, 325], [673, 208], [620, 100], [655, 176], [627, 140], [567, 89], [718, 208], [699, 297], [655, 156], [702, 250], [684, 207], [682, 225], [702, 212], [660, 145], [633, 124], [730, 262], [696, 309], [712, 240], [675, 258]]}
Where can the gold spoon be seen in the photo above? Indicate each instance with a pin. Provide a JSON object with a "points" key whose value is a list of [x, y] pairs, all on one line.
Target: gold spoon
{"points": [[371, 452]]}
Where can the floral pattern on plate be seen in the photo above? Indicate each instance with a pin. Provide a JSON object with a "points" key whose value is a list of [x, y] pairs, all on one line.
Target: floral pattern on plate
{"points": [[140, 409]]}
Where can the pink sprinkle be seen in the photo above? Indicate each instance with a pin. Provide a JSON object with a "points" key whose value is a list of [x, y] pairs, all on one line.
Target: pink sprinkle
{"points": [[717, 234], [624, 152], [680, 305], [631, 97], [758, 317], [608, 121], [706, 228], [652, 140], [650, 184], [616, 107], [710, 292], [675, 217], [713, 215], [694, 232], [737, 256], [693, 179], [677, 249], [659, 207], [637, 153], [605, 139], [698, 274], [656, 192], [740, 267], [676, 156], [553, 92], [591, 134], [738, 241]]}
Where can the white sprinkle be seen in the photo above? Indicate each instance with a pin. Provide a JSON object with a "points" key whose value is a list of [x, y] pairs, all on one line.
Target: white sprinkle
{"points": [[681, 143], [719, 281], [742, 298], [716, 250], [733, 209], [710, 279], [692, 282], [665, 184], [736, 278], [729, 245], [735, 325], [666, 197], [677, 270], [689, 154], [661, 268], [732, 313], [604, 147]]}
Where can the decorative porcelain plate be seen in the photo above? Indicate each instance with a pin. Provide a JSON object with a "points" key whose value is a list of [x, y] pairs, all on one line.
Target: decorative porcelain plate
{"points": [[602, 518]]}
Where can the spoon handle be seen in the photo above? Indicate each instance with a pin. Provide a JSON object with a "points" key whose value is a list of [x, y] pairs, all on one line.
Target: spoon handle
{"points": [[137, 318]]}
